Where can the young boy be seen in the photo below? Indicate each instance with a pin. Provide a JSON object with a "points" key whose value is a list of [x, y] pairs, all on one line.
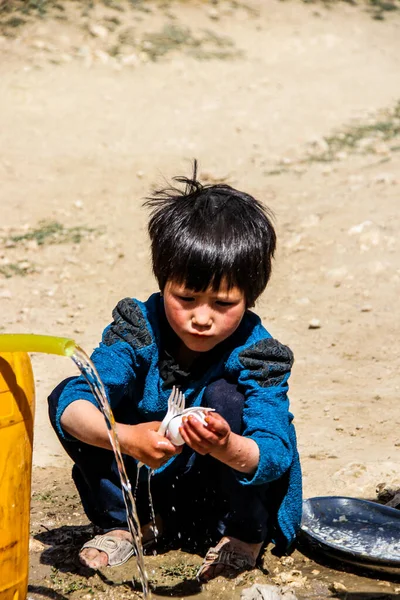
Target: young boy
{"points": [[237, 480]]}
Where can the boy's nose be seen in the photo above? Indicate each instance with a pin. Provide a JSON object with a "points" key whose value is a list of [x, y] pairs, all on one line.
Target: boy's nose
{"points": [[202, 317]]}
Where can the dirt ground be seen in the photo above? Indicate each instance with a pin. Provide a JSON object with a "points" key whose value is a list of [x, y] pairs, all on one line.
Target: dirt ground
{"points": [[296, 103]]}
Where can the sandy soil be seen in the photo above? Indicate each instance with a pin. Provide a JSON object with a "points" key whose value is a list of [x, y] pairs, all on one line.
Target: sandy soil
{"points": [[294, 103]]}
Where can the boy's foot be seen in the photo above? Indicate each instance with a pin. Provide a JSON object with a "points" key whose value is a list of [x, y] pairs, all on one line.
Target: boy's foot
{"points": [[109, 549], [228, 558], [115, 547]]}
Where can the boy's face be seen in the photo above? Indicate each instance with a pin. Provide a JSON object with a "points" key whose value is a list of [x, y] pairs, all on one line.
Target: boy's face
{"points": [[203, 319]]}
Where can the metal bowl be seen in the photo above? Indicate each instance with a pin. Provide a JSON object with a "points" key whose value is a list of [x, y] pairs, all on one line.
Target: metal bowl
{"points": [[356, 531]]}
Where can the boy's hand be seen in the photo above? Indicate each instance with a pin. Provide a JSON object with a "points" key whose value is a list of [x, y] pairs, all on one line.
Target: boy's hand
{"points": [[146, 445], [205, 440]]}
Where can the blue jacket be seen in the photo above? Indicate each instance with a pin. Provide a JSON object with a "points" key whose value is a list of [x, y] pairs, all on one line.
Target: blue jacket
{"points": [[138, 372]]}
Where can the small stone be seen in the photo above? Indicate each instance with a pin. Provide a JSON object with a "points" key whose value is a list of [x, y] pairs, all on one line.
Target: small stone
{"points": [[385, 178], [35, 545], [130, 60], [356, 229], [311, 221], [327, 170], [336, 586], [366, 308], [24, 265], [5, 294], [287, 561], [303, 301], [65, 57], [102, 56], [318, 144], [98, 31], [315, 572], [31, 245], [314, 324], [213, 14]]}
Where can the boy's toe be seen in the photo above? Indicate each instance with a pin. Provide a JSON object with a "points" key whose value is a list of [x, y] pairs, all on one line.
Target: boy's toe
{"points": [[92, 558]]}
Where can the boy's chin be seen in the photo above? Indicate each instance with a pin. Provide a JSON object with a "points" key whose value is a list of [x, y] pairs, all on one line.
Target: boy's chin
{"points": [[200, 344]]}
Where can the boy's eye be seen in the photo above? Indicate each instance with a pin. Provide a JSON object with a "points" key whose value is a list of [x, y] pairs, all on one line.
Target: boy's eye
{"points": [[224, 303], [186, 298]]}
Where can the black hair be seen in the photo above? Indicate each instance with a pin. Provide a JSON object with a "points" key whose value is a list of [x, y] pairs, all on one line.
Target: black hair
{"points": [[202, 235]]}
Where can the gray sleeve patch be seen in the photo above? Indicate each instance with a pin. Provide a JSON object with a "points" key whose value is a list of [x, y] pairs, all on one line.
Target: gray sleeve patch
{"points": [[268, 360], [129, 325]]}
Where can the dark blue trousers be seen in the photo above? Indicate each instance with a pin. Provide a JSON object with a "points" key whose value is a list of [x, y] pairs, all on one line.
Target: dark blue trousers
{"points": [[199, 499]]}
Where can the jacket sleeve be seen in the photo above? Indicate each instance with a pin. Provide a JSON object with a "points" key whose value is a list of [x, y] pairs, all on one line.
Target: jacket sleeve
{"points": [[262, 371], [117, 359]]}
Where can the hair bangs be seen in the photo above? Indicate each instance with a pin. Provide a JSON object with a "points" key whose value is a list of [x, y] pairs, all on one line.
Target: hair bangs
{"points": [[203, 264]]}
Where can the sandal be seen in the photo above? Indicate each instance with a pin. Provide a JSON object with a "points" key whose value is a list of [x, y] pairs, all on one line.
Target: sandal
{"points": [[234, 560], [118, 550]]}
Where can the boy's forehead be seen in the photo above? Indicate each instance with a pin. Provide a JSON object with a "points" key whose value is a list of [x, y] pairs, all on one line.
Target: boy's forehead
{"points": [[222, 290]]}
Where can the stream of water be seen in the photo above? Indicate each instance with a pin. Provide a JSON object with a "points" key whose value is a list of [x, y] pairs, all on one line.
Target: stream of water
{"points": [[88, 370]]}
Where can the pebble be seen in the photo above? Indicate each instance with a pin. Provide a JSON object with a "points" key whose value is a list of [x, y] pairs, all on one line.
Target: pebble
{"points": [[303, 301], [366, 308], [287, 561], [311, 221], [314, 324], [130, 60], [102, 56], [318, 144], [338, 274], [5, 294], [35, 545], [385, 178], [356, 229], [98, 31], [336, 586], [213, 14]]}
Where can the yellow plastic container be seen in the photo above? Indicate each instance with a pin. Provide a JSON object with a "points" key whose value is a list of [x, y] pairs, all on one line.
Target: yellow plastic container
{"points": [[17, 407]]}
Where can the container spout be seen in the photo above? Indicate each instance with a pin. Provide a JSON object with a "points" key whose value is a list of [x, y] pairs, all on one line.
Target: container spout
{"points": [[30, 342]]}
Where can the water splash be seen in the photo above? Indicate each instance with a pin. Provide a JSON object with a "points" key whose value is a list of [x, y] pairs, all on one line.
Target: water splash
{"points": [[89, 372], [150, 472]]}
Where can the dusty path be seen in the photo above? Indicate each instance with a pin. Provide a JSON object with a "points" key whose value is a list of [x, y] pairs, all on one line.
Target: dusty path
{"points": [[83, 137]]}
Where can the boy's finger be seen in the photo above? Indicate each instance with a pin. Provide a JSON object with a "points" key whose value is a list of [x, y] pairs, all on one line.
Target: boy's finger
{"points": [[215, 425], [196, 432], [194, 425], [166, 446]]}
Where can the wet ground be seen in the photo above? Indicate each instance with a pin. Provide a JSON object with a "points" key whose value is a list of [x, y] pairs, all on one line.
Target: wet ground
{"points": [[59, 528]]}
